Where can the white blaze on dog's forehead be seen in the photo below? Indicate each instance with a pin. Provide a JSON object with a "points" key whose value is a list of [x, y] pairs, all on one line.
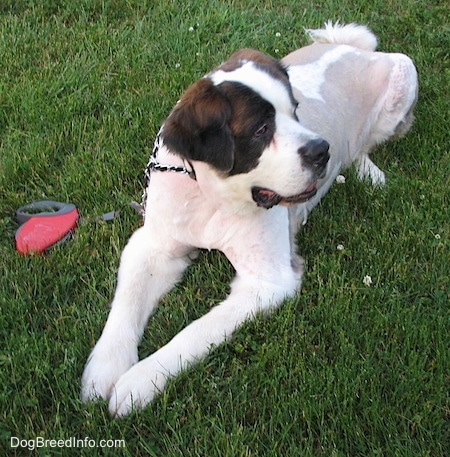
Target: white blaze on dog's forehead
{"points": [[265, 85], [309, 78]]}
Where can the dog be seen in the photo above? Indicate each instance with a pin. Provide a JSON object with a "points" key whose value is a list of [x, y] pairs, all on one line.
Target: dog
{"points": [[243, 157]]}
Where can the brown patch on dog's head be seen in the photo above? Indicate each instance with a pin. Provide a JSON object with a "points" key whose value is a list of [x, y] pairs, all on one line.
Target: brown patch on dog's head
{"points": [[198, 127]]}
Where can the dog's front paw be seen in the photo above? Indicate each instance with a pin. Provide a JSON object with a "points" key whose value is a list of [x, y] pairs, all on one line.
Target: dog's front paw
{"points": [[104, 367], [136, 388]]}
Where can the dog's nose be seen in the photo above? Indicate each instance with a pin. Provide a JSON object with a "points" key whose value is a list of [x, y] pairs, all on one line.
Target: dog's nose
{"points": [[315, 154]]}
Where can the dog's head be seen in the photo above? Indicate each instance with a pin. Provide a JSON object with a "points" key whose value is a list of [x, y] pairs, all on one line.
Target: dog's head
{"points": [[238, 127]]}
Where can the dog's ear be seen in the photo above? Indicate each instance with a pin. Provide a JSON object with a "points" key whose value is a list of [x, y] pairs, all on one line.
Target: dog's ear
{"points": [[198, 127]]}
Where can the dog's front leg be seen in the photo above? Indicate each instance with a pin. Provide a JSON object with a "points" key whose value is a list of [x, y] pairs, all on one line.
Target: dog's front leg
{"points": [[146, 273], [249, 295]]}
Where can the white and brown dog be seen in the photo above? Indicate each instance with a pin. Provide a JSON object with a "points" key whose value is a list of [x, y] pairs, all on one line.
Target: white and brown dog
{"points": [[251, 148]]}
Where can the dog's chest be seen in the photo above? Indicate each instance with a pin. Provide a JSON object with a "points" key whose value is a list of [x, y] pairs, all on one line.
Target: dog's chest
{"points": [[183, 214]]}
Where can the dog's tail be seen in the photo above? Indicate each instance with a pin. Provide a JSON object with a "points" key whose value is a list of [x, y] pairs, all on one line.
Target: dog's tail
{"points": [[352, 34]]}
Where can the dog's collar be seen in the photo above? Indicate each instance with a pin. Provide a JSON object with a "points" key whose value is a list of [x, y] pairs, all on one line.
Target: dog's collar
{"points": [[155, 165]]}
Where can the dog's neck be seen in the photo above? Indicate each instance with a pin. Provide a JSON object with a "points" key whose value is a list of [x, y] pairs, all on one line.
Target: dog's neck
{"points": [[162, 160]]}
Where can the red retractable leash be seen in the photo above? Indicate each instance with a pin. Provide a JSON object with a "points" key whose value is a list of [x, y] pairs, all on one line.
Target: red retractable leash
{"points": [[44, 224], [47, 223]]}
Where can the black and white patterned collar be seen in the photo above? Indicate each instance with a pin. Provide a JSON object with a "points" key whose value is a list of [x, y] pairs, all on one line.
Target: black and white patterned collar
{"points": [[155, 165]]}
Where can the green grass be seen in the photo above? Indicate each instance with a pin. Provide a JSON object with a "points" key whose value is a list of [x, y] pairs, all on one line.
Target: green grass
{"points": [[341, 370]]}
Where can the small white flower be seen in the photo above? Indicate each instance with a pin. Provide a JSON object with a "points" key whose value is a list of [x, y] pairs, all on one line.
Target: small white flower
{"points": [[277, 51], [340, 179], [437, 236], [278, 34], [178, 65], [367, 280], [340, 247], [191, 29]]}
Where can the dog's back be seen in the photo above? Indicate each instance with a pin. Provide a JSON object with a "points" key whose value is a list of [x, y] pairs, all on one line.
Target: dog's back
{"points": [[352, 97], [403, 83]]}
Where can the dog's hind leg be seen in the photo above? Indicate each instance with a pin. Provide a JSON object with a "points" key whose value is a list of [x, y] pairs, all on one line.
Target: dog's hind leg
{"points": [[368, 170], [146, 273], [395, 114]]}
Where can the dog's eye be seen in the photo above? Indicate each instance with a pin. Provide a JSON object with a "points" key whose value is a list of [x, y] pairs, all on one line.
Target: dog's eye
{"points": [[261, 131]]}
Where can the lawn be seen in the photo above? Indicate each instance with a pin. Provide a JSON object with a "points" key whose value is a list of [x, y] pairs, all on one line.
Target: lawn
{"points": [[344, 368]]}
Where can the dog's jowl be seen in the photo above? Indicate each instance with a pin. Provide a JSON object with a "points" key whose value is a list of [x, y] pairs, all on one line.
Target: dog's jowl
{"points": [[243, 157]]}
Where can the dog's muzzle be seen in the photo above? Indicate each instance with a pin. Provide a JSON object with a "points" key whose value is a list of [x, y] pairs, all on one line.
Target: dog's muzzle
{"points": [[315, 156]]}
